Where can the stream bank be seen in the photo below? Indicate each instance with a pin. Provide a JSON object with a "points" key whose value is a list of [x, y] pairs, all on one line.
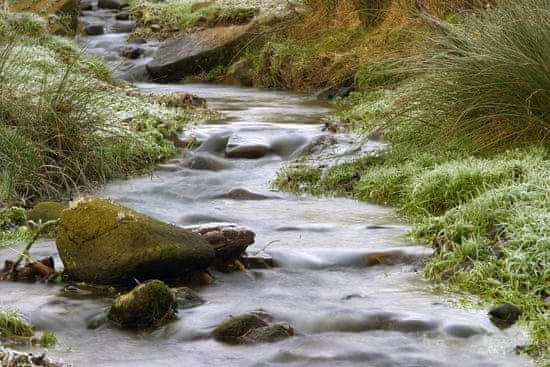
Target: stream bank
{"points": [[323, 256]]}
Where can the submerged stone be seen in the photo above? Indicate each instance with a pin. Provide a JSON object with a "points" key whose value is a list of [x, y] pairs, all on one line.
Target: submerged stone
{"points": [[235, 327], [149, 304], [505, 315], [187, 298], [250, 329], [268, 334], [104, 243]]}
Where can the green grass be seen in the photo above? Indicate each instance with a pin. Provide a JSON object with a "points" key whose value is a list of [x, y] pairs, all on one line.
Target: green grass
{"points": [[63, 124], [487, 218], [13, 325], [175, 15], [47, 339], [485, 84]]}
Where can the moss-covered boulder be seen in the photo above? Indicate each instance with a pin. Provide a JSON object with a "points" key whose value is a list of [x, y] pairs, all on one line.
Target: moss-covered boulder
{"points": [[267, 334], [104, 243], [250, 328], [149, 304], [45, 211], [235, 327]]}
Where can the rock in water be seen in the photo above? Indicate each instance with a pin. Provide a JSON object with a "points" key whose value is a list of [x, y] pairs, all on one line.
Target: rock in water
{"points": [[249, 329], [149, 304], [197, 52], [237, 326], [268, 334], [187, 298], [11, 358], [505, 315], [105, 243], [229, 240]]}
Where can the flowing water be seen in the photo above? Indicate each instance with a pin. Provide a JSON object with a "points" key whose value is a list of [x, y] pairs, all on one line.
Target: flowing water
{"points": [[344, 312]]}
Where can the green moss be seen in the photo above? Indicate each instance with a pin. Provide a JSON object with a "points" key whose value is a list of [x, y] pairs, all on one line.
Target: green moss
{"points": [[238, 326], [45, 211], [12, 324], [147, 305]]}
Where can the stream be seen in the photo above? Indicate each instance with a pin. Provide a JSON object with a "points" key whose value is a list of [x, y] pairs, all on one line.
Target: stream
{"points": [[344, 312]]}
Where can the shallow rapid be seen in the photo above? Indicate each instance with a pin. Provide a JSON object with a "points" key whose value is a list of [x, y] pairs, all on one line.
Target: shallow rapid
{"points": [[346, 308]]}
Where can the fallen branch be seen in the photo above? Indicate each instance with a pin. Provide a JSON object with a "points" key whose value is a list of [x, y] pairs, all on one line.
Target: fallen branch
{"points": [[41, 228]]}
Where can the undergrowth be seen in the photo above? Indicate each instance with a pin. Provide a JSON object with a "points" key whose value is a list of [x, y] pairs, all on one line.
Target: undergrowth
{"points": [[176, 15], [469, 160], [63, 124]]}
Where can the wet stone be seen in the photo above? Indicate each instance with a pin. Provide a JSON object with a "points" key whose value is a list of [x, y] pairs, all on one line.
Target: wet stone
{"points": [[93, 30], [187, 298], [463, 331], [505, 315], [131, 52], [205, 163], [237, 326], [147, 305], [268, 334], [242, 194], [86, 5], [247, 151], [123, 15], [123, 27], [111, 4]]}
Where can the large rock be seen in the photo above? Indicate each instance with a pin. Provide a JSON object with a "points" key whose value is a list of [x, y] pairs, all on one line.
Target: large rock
{"points": [[102, 242], [149, 304], [197, 52]]}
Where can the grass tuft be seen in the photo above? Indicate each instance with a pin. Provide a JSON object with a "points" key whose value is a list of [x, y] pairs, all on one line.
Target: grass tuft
{"points": [[13, 325], [485, 83]]}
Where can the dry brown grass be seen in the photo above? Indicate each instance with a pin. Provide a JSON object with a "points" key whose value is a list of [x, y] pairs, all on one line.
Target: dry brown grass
{"points": [[331, 40]]}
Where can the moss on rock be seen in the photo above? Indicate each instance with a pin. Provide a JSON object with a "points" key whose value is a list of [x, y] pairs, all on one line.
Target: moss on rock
{"points": [[45, 211], [147, 305], [236, 327], [102, 242]]}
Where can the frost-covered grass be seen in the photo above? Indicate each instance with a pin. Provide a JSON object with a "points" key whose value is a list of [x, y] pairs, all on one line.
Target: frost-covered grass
{"points": [[63, 124], [173, 15], [488, 218]]}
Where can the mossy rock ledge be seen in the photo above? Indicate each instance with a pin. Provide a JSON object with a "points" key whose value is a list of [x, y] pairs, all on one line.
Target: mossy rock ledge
{"points": [[45, 211], [104, 243]]}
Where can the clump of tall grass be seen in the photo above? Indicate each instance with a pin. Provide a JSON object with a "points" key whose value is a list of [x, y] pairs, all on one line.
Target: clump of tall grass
{"points": [[12, 324], [485, 83], [62, 124]]}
